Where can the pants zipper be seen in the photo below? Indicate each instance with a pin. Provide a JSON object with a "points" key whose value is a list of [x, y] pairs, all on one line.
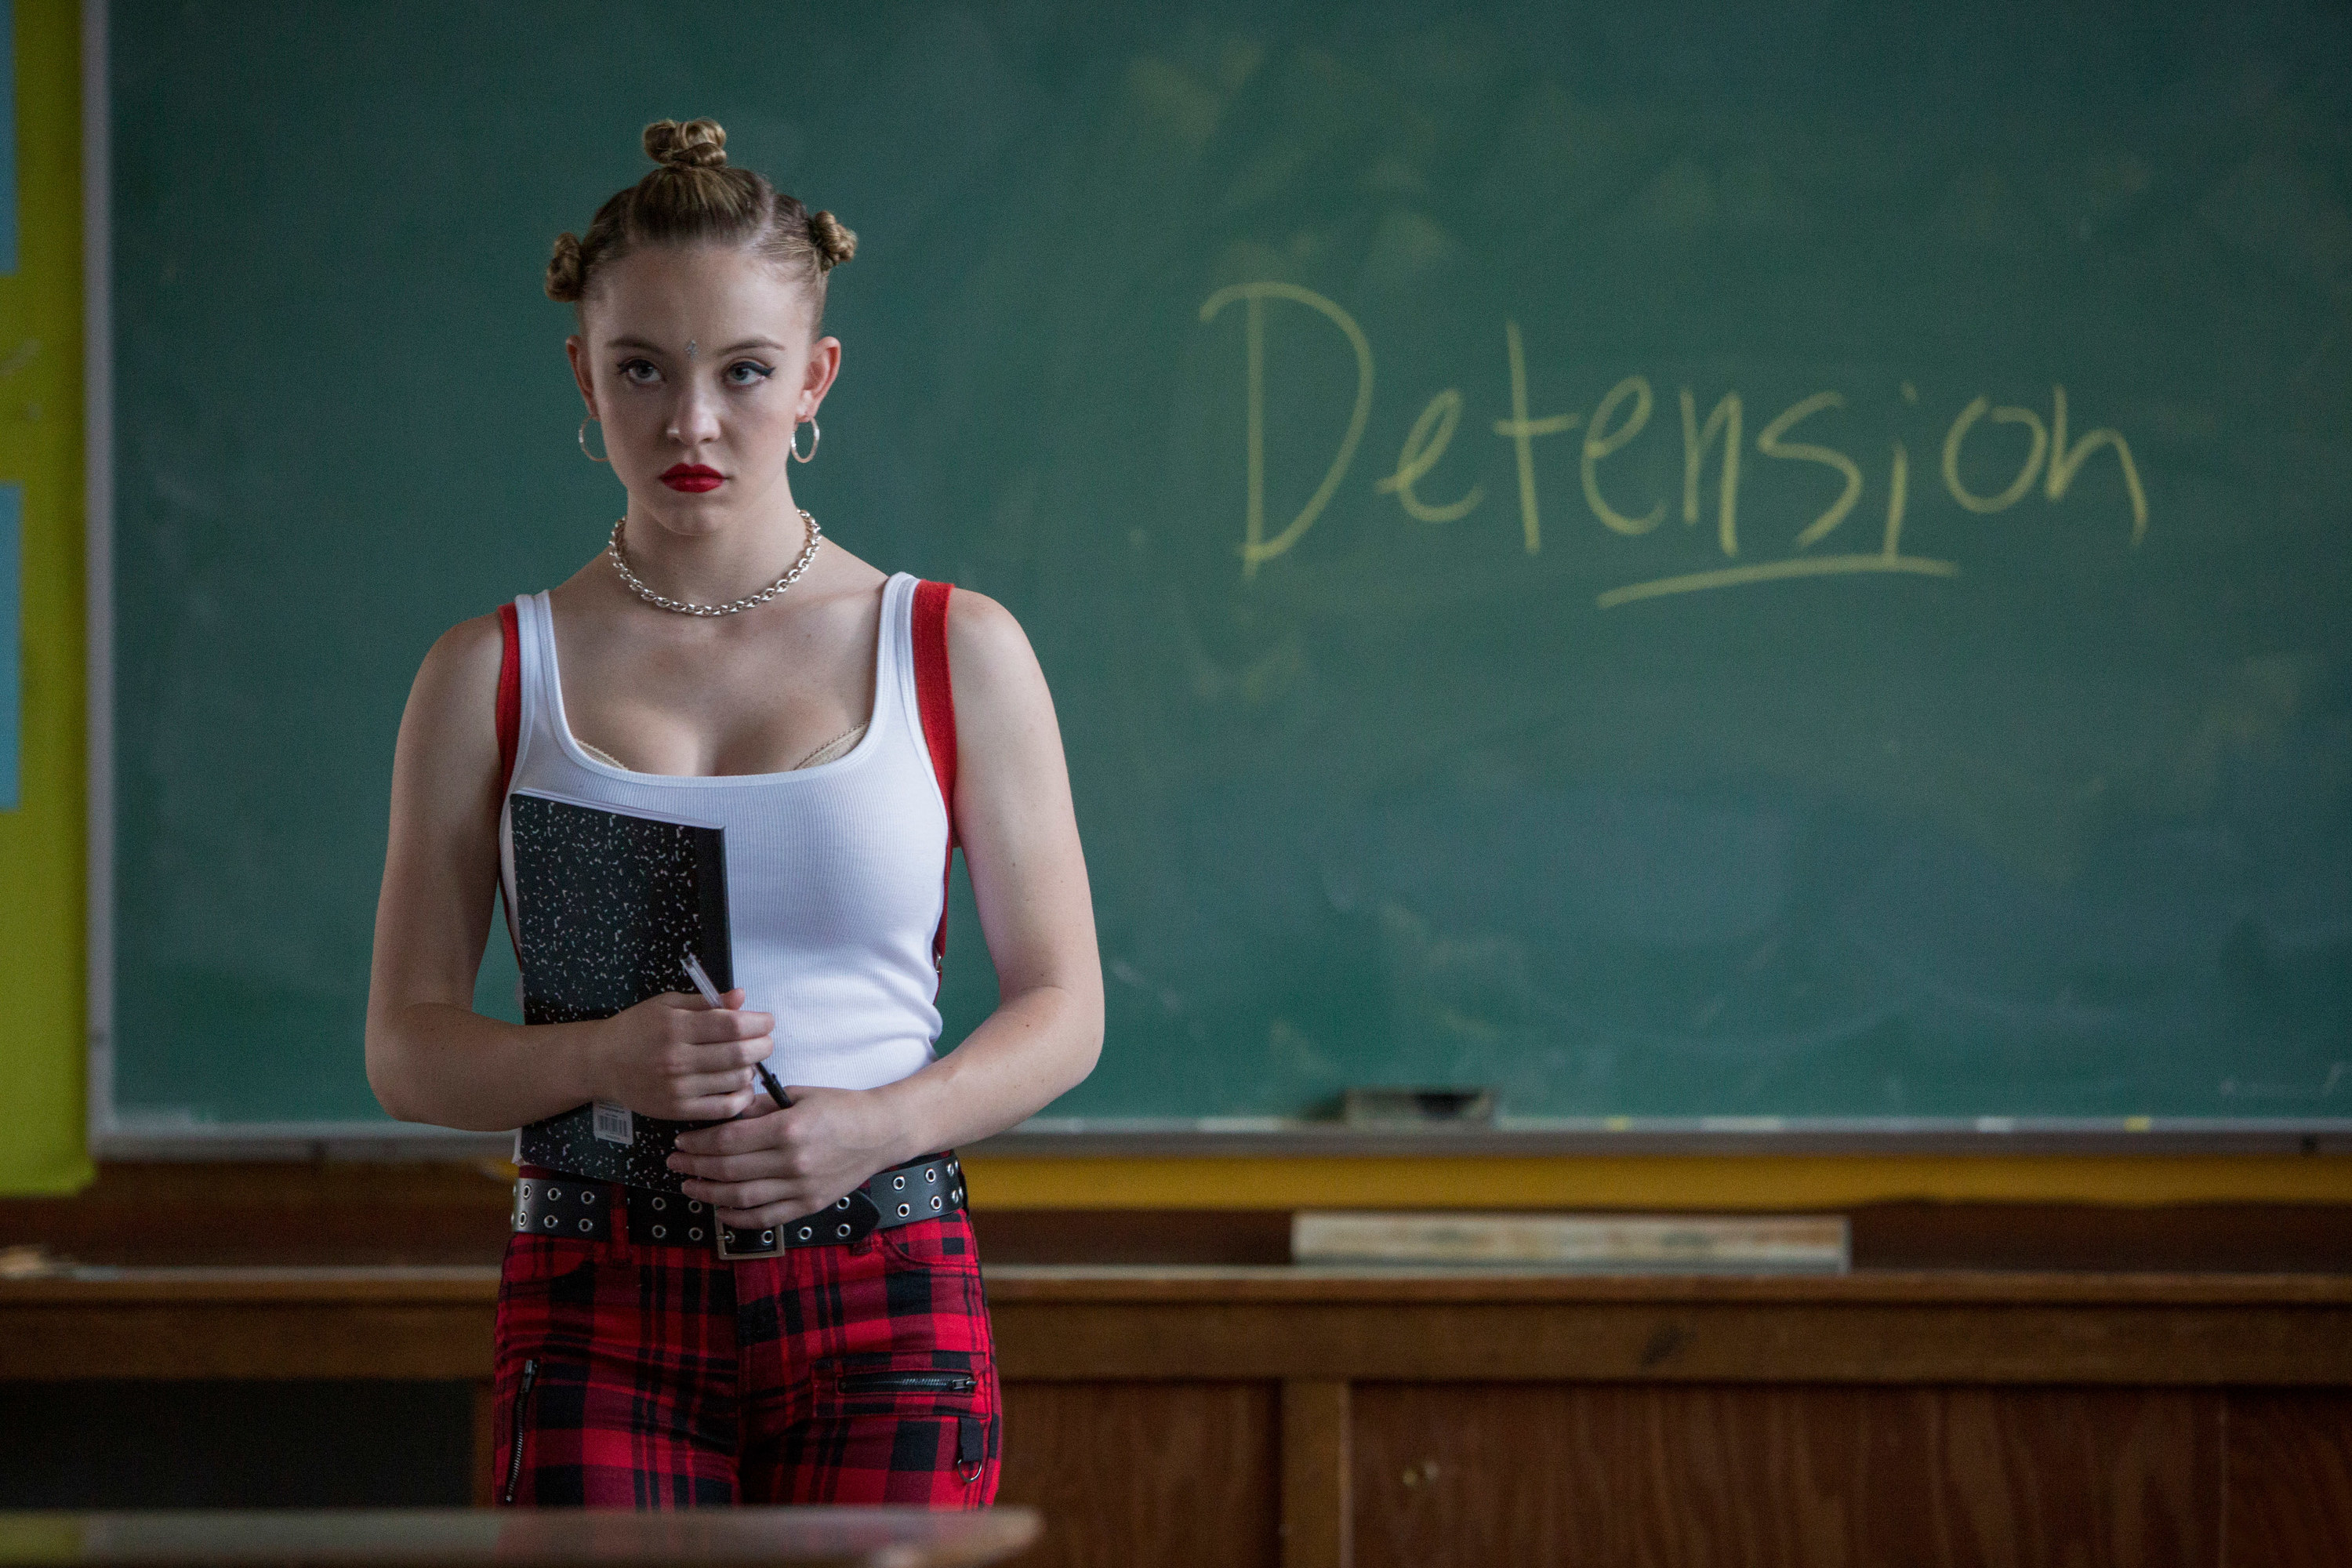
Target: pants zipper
{"points": [[906, 1383], [521, 1411]]}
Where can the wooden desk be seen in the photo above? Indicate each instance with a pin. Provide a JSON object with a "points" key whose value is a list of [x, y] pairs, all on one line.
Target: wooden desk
{"points": [[1277, 1415], [464, 1538]]}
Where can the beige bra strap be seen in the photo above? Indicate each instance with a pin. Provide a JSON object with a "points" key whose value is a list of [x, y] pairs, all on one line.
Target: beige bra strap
{"points": [[839, 746]]}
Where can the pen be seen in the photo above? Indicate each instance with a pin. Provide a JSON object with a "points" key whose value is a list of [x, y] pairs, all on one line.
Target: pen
{"points": [[701, 978]]}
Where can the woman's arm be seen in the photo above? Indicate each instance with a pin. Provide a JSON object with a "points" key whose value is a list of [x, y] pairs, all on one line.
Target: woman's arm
{"points": [[1021, 843], [430, 1056]]}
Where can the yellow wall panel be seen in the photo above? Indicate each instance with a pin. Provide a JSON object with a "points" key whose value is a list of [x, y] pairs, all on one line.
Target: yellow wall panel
{"points": [[42, 1049], [1748, 1182]]}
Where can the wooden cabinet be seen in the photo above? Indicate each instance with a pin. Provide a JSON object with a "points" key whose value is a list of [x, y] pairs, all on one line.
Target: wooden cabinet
{"points": [[1925, 1418], [1204, 1406], [1271, 1415]]}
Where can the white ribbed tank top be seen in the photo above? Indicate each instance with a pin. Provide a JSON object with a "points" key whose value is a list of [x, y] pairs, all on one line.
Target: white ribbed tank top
{"points": [[834, 884]]}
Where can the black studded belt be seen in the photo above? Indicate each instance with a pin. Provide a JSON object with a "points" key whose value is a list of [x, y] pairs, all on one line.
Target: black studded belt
{"points": [[549, 1203]]}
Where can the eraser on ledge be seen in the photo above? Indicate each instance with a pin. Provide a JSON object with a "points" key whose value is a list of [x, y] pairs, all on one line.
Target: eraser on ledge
{"points": [[1410, 1107]]}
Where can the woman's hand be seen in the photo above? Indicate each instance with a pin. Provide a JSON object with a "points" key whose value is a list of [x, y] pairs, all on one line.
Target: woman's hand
{"points": [[767, 1169], [678, 1057]]}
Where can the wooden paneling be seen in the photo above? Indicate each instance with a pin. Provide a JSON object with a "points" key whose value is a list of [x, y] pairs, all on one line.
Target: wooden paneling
{"points": [[1137, 1475], [2243, 1238], [1756, 1340], [1094, 1237], [247, 1338], [422, 1212], [1188, 1415], [2290, 1480], [1273, 1325], [290, 1213], [482, 1473], [2247, 1238], [1317, 1475], [1693, 1477]]}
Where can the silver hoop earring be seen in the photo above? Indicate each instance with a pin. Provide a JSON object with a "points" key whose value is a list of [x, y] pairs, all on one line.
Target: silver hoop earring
{"points": [[816, 435], [583, 440]]}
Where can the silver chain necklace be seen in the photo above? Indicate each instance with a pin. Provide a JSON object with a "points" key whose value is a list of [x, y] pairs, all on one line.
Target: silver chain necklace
{"points": [[733, 607]]}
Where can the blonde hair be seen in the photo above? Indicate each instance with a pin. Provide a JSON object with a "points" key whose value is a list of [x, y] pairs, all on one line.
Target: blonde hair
{"points": [[694, 197]]}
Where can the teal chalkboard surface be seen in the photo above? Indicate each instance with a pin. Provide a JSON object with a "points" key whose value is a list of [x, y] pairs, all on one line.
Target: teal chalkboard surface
{"points": [[1688, 560]]}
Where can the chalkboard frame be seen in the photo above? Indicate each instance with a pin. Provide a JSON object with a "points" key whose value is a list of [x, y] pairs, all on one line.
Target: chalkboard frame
{"points": [[1151, 1138], [113, 1135]]}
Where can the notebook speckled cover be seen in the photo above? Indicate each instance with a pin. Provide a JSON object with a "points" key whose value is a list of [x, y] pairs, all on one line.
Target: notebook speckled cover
{"points": [[607, 905]]}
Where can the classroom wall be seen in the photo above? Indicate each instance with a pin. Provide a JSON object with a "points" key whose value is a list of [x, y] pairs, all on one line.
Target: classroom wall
{"points": [[42, 850], [42, 841]]}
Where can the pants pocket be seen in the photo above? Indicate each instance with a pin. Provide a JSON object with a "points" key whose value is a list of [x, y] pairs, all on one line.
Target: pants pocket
{"points": [[911, 1380], [519, 1411], [910, 1427]]}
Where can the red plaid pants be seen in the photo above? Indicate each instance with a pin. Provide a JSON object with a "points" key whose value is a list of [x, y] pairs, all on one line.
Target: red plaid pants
{"points": [[667, 1377]]}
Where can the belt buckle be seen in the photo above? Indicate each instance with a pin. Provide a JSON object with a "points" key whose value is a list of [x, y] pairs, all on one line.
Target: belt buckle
{"points": [[769, 1245], [851, 1219]]}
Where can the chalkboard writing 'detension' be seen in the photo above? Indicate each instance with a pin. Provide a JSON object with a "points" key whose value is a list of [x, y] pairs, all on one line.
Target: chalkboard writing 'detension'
{"points": [[1621, 416], [1693, 569]]}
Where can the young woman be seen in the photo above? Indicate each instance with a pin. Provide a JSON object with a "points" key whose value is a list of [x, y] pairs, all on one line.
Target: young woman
{"points": [[723, 661]]}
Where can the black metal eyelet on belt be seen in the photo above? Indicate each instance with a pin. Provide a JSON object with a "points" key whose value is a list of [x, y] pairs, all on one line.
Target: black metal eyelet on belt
{"points": [[935, 1200], [904, 1210], [842, 1205], [806, 1232], [588, 1195], [694, 1235], [660, 1204], [549, 1222], [931, 1173], [554, 1193], [661, 1233], [899, 1183], [842, 1231], [586, 1225]]}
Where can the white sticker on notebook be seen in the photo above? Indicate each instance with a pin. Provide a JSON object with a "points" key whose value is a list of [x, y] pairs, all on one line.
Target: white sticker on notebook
{"points": [[614, 1123]]}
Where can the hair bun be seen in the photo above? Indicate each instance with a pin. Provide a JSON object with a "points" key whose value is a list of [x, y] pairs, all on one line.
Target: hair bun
{"points": [[566, 275], [697, 144], [835, 243]]}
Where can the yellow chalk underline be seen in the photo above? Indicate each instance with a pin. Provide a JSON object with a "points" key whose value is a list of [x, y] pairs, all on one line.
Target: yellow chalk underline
{"points": [[1768, 571]]}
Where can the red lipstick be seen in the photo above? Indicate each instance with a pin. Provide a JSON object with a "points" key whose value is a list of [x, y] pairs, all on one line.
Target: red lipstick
{"points": [[692, 477]]}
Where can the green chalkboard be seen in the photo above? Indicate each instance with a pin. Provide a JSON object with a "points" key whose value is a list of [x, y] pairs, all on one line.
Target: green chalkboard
{"points": [[1347, 397]]}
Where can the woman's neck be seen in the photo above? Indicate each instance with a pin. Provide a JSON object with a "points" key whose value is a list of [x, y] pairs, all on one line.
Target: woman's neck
{"points": [[707, 564]]}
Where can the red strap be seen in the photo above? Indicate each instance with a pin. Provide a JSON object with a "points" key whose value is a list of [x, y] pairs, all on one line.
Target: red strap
{"points": [[509, 695], [935, 699], [935, 689], [509, 723]]}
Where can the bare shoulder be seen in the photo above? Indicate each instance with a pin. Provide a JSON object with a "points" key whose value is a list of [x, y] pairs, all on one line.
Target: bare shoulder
{"points": [[1005, 723], [457, 686], [467, 653], [989, 657]]}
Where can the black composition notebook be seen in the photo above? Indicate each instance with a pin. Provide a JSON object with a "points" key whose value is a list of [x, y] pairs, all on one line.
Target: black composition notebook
{"points": [[606, 907]]}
